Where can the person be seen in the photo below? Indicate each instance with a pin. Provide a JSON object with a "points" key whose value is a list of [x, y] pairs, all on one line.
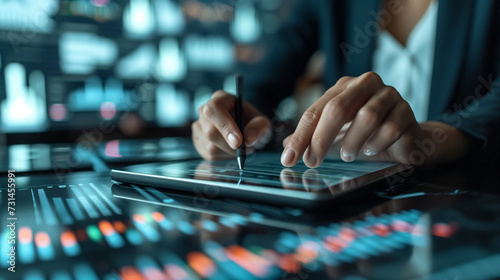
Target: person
{"points": [[415, 82]]}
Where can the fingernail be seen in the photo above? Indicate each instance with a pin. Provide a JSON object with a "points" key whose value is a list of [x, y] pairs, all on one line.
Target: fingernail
{"points": [[249, 135], [288, 156], [311, 158], [232, 141], [369, 152], [345, 156]]}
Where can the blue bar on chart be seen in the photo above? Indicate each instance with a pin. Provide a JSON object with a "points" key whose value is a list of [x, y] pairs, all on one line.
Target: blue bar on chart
{"points": [[134, 237], [75, 209], [145, 228], [37, 211], [33, 275], [146, 195], [185, 227], [84, 201], [62, 211], [4, 248], [83, 271], [60, 275], [48, 214], [100, 206], [112, 205]]}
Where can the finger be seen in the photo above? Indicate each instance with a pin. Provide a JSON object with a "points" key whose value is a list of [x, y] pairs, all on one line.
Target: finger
{"points": [[313, 181], [285, 141], [291, 179], [207, 149], [392, 129], [217, 111], [257, 131], [300, 139], [213, 135], [367, 120], [338, 111]]}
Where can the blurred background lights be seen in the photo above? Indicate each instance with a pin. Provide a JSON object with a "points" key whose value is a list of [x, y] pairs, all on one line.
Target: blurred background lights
{"points": [[82, 52], [100, 3], [58, 112], [101, 58], [172, 106], [245, 27], [209, 53], [169, 16], [138, 18], [171, 65], [28, 15], [24, 107], [137, 64], [108, 110]]}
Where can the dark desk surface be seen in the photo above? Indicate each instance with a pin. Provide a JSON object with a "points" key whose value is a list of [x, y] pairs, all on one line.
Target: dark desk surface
{"points": [[441, 223]]}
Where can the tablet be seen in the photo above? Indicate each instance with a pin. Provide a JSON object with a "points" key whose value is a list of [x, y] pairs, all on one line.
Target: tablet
{"points": [[264, 179]]}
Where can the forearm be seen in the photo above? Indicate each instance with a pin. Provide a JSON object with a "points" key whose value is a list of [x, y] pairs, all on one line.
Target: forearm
{"points": [[444, 143]]}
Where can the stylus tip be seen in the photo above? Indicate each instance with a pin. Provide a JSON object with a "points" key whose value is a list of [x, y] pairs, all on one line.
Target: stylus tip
{"points": [[241, 163]]}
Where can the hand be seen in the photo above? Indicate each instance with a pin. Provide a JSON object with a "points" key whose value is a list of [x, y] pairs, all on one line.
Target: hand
{"points": [[383, 125], [216, 135]]}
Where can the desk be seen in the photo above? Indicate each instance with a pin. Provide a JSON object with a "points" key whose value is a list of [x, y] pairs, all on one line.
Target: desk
{"points": [[439, 224]]}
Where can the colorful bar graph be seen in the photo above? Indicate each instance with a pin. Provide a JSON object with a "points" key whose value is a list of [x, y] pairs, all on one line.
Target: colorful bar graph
{"points": [[130, 273], [145, 228], [94, 234], [70, 244], [44, 247], [165, 223], [202, 264], [218, 254], [175, 267], [26, 247], [113, 239], [150, 269]]}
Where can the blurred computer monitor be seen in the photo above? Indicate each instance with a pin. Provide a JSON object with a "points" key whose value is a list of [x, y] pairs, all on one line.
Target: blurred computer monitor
{"points": [[126, 68]]}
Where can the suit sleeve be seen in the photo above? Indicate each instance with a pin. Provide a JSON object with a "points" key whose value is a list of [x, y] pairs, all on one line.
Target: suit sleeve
{"points": [[273, 79], [480, 118]]}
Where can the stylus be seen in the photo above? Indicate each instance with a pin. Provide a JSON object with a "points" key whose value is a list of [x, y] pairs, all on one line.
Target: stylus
{"points": [[241, 153]]}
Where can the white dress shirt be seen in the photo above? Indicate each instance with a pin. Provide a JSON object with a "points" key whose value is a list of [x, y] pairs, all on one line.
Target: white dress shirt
{"points": [[409, 68]]}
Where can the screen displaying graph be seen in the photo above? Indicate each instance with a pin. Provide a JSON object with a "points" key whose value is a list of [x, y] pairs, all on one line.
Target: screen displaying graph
{"points": [[96, 230], [71, 64]]}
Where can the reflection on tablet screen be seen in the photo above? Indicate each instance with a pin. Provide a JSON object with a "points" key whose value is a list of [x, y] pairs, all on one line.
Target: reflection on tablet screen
{"points": [[266, 170]]}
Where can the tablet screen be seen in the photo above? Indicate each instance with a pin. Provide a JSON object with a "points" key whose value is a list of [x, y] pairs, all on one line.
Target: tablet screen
{"points": [[265, 169]]}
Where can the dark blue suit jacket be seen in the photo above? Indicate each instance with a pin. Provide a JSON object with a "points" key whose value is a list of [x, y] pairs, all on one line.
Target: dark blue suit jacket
{"points": [[465, 89]]}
